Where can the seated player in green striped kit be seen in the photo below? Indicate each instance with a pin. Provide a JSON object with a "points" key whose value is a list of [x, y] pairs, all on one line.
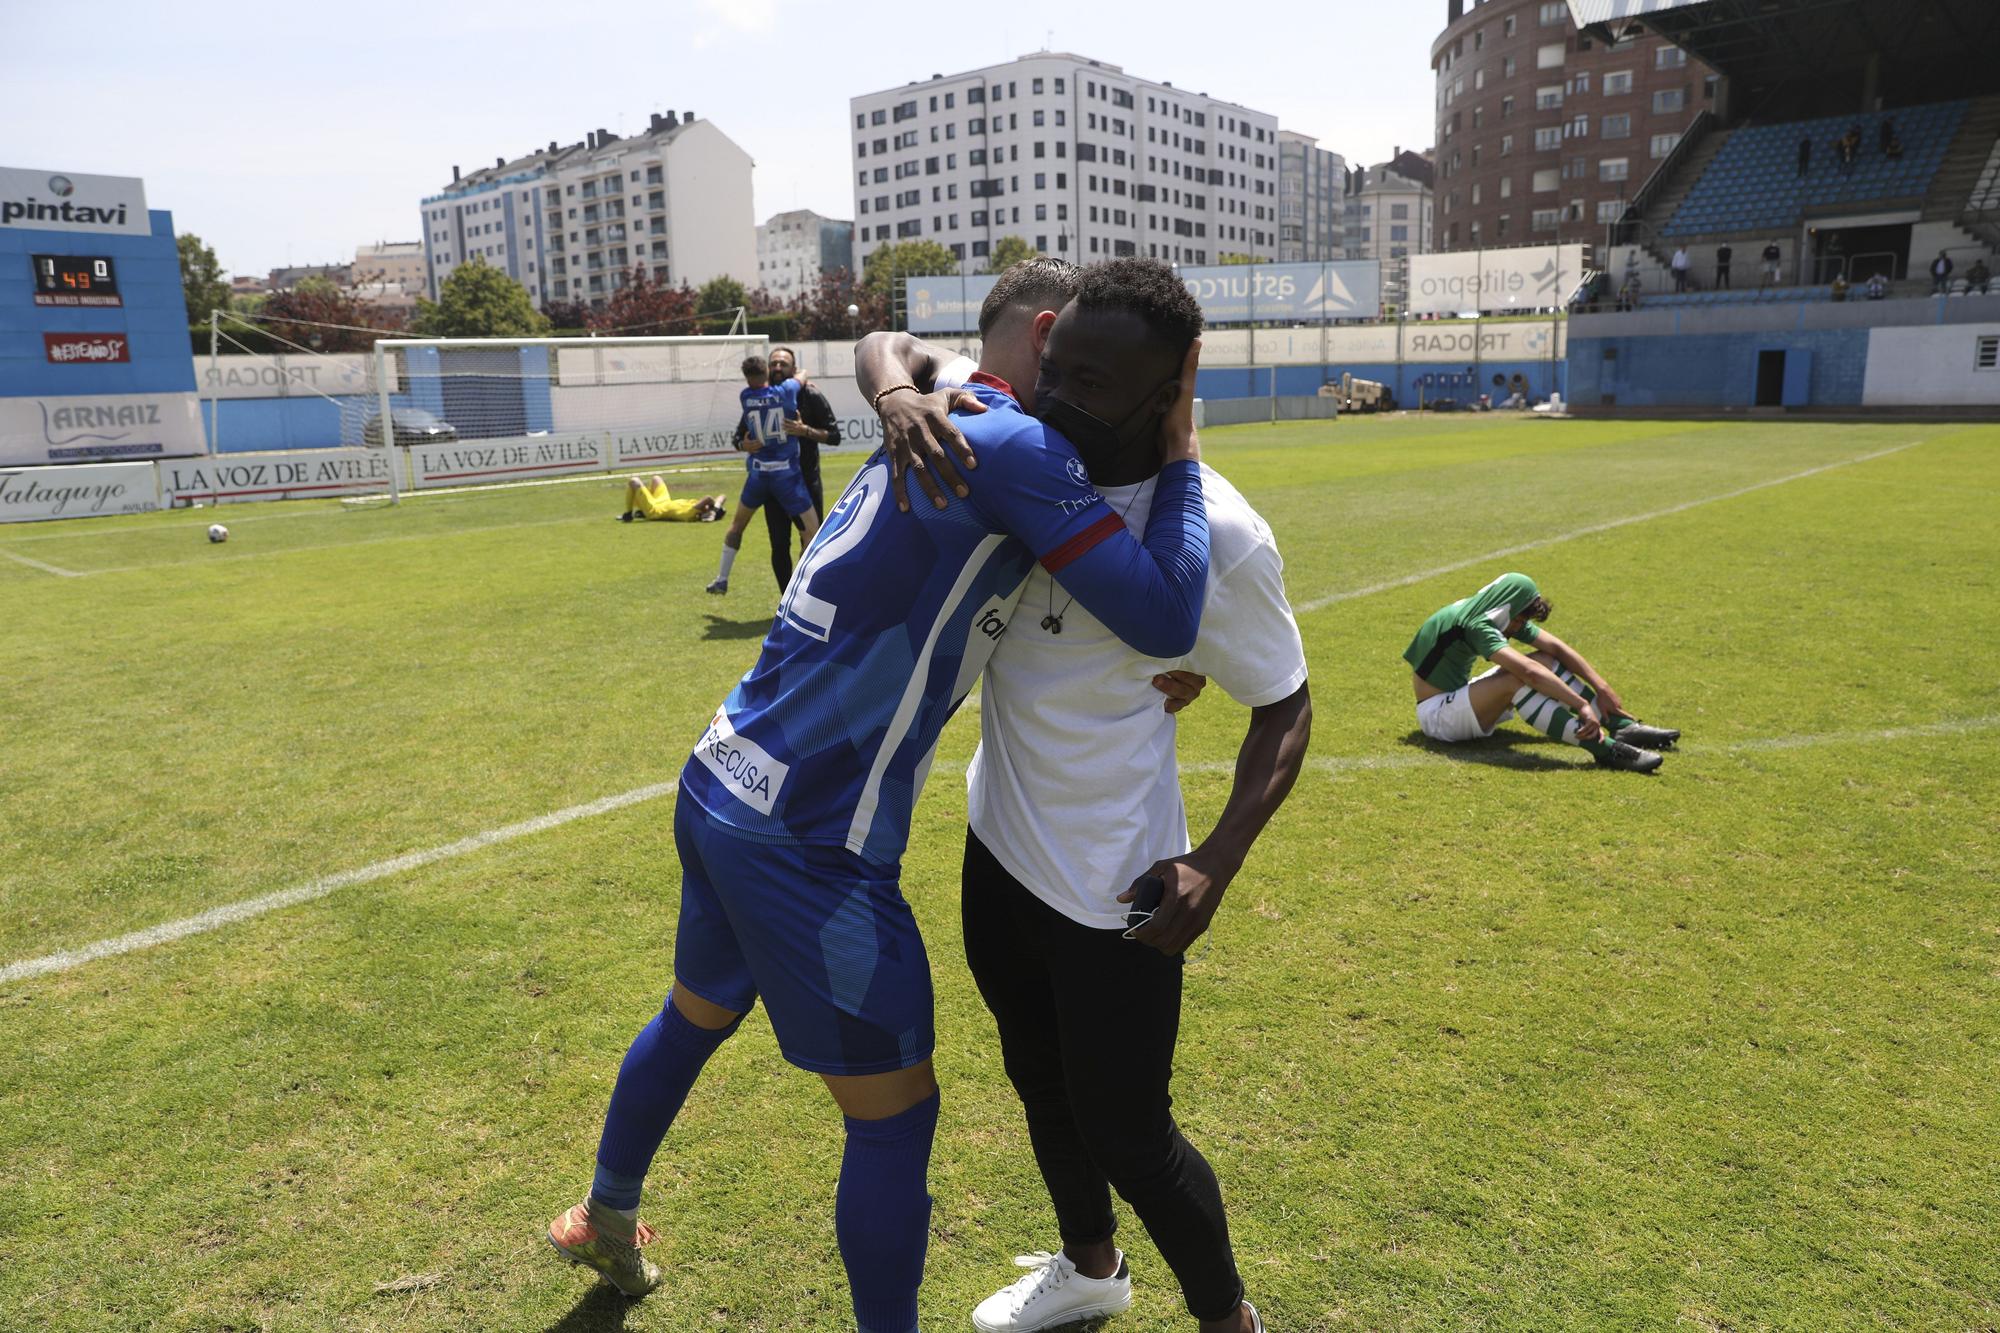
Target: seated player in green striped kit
{"points": [[1554, 689]]}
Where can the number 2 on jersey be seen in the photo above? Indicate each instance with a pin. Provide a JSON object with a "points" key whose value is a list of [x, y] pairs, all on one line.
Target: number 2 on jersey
{"points": [[845, 526]]}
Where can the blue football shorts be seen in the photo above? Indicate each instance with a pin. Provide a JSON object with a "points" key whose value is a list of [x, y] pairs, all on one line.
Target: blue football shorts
{"points": [[784, 485], [822, 935]]}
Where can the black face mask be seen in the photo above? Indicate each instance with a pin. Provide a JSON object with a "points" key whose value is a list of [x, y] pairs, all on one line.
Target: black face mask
{"points": [[1095, 438]]}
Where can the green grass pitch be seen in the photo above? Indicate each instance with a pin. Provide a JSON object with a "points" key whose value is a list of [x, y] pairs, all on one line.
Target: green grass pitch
{"points": [[1487, 1040]]}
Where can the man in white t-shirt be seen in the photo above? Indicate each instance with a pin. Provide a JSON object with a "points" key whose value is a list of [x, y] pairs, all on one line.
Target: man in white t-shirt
{"points": [[1075, 806]]}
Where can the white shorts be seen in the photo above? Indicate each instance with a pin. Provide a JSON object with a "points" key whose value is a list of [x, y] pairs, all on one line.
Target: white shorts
{"points": [[1449, 717]]}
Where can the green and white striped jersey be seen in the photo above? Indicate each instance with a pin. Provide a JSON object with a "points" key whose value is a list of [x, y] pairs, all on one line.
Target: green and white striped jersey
{"points": [[1457, 636]]}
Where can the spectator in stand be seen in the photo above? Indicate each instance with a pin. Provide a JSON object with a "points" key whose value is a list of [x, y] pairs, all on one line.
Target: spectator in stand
{"points": [[1773, 265], [1979, 278], [1840, 286], [1681, 262], [1941, 271], [1849, 149], [1805, 156], [1885, 137], [1878, 286], [1893, 150], [1628, 295], [1723, 254]]}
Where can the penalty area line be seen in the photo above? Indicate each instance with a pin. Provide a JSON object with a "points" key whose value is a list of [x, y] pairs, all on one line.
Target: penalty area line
{"points": [[1333, 599], [230, 914], [57, 570]]}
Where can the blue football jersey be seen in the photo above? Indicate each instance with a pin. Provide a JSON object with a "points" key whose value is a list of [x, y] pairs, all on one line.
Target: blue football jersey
{"points": [[764, 413], [887, 623]]}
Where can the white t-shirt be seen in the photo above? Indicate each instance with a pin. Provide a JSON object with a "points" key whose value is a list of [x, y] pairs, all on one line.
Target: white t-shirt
{"points": [[1074, 787], [957, 373]]}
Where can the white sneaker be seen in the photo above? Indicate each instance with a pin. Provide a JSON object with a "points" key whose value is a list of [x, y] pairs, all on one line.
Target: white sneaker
{"points": [[1052, 1295]]}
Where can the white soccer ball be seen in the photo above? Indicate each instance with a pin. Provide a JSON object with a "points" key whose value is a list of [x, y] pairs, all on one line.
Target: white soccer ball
{"points": [[217, 533]]}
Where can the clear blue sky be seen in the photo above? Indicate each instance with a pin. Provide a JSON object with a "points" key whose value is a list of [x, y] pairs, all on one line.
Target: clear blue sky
{"points": [[282, 132]]}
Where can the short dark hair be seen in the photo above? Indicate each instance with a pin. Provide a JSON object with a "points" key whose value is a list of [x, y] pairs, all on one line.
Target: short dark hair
{"points": [[754, 365], [1036, 284], [1538, 610], [1146, 288]]}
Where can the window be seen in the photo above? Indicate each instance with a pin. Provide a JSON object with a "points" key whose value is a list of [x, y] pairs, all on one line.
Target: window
{"points": [[1670, 99], [1506, 187], [1610, 210], [1669, 57], [1507, 26], [1547, 180], [1615, 127], [1507, 67], [1554, 12], [1579, 128], [1549, 139], [1614, 169], [1036, 86], [1059, 85], [1549, 98], [1618, 83], [1664, 144], [877, 117], [1986, 354], [1399, 233], [1038, 118], [1400, 212], [1549, 56], [1545, 218]]}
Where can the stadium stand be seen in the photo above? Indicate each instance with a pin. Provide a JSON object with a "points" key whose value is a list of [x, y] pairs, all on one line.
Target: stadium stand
{"points": [[1753, 185]]}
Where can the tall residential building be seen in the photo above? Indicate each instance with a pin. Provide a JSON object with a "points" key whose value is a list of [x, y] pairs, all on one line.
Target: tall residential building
{"points": [[1077, 157], [400, 263], [570, 223], [1312, 185], [1544, 133], [795, 248]]}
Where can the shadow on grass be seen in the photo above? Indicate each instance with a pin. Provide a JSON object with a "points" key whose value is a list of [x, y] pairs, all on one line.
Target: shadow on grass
{"points": [[1505, 749], [601, 1310], [719, 628]]}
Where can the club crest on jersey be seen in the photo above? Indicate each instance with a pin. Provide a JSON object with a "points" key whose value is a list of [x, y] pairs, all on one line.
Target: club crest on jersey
{"points": [[1077, 472]]}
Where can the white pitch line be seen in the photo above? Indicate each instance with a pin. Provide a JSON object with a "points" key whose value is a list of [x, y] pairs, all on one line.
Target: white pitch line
{"points": [[46, 569], [236, 559], [1321, 603], [230, 913]]}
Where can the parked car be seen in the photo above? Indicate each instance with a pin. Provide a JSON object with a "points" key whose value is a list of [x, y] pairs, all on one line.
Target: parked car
{"points": [[411, 425]]}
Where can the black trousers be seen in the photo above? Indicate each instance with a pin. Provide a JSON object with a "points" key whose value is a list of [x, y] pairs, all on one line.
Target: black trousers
{"points": [[1088, 1021], [780, 523]]}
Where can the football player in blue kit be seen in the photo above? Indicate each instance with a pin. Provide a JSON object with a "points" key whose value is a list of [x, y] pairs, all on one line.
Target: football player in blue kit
{"points": [[794, 809], [773, 474]]}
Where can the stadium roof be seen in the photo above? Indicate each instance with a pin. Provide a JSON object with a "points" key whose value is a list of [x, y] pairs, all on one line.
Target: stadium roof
{"points": [[1920, 50]]}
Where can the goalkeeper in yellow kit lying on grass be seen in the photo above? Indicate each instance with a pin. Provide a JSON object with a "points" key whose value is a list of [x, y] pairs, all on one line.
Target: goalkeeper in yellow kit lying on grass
{"points": [[650, 500]]}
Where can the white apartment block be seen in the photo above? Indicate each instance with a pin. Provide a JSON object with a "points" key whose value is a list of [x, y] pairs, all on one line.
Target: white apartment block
{"points": [[1077, 157], [794, 249], [1388, 214], [571, 223]]}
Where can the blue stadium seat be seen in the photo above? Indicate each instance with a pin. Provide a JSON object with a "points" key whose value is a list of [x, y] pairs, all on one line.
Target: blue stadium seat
{"points": [[1753, 183]]}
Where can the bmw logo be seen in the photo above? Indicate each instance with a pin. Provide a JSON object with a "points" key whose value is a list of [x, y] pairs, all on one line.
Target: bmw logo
{"points": [[62, 187], [1077, 472]]}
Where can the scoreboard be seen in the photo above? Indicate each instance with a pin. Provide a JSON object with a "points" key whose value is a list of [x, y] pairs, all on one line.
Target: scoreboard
{"points": [[76, 280], [95, 362]]}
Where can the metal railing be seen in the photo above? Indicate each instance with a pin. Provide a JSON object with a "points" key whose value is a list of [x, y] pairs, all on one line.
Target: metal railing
{"points": [[1648, 194]]}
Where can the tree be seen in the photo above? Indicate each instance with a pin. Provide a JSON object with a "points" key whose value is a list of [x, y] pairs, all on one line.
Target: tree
{"points": [[644, 307], [202, 285], [318, 315], [567, 314], [887, 265], [723, 293], [1009, 251], [479, 301], [821, 312]]}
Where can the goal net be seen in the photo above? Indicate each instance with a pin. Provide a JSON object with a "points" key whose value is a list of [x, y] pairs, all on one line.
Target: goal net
{"points": [[480, 411]]}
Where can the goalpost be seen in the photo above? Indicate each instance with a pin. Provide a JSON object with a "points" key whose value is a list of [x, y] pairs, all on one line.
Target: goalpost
{"points": [[454, 412]]}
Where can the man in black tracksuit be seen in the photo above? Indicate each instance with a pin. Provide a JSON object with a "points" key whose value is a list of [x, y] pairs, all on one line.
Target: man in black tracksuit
{"points": [[816, 426]]}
